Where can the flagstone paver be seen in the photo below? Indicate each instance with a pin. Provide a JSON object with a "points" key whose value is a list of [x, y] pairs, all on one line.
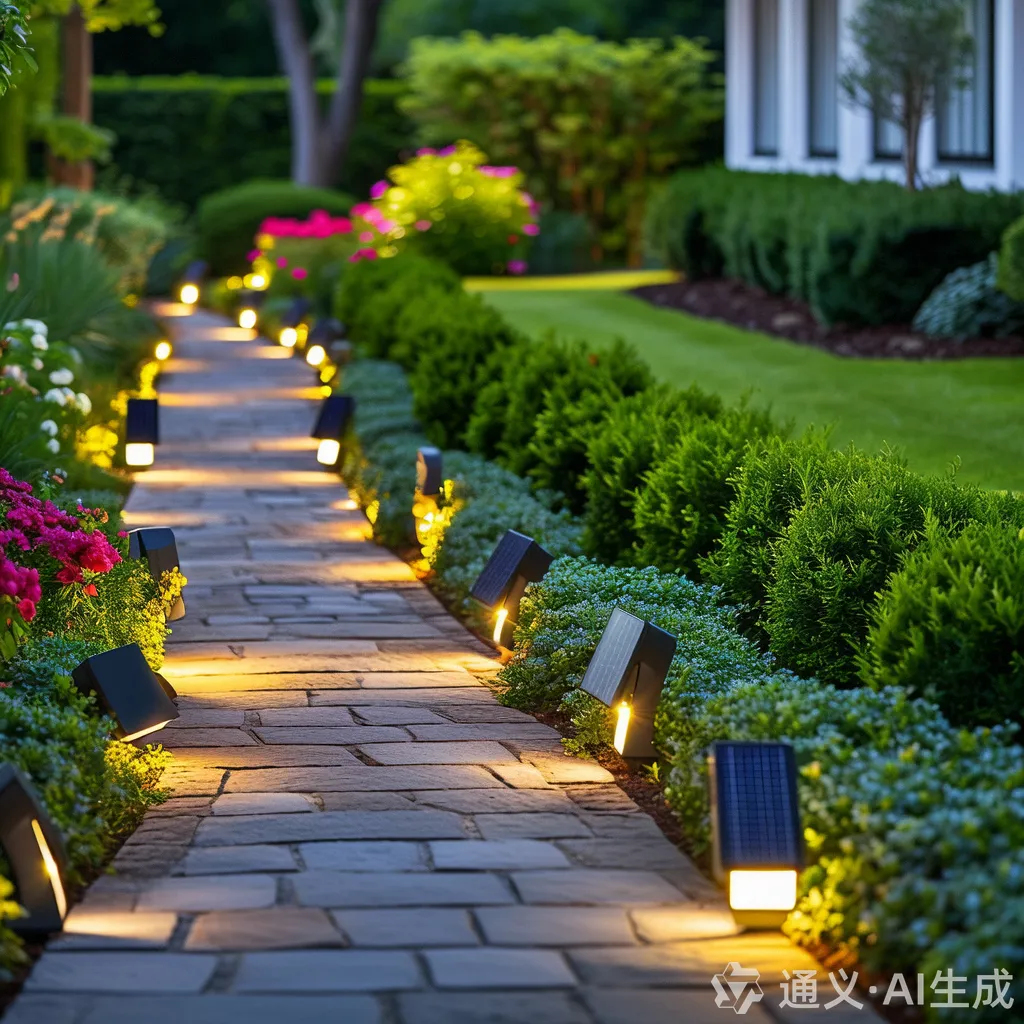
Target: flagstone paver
{"points": [[357, 830]]}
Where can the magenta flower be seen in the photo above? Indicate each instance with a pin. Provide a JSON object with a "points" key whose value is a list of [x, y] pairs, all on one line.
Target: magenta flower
{"points": [[361, 209], [426, 151], [366, 236], [254, 254], [423, 225], [531, 229], [300, 273], [516, 267], [379, 189], [282, 261]]}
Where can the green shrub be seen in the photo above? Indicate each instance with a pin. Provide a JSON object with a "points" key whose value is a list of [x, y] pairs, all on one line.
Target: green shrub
{"points": [[838, 551], [1011, 261], [575, 404], [680, 512], [776, 477], [951, 617], [632, 439], [225, 130], [563, 102], [857, 252], [227, 221], [968, 304], [456, 348]]}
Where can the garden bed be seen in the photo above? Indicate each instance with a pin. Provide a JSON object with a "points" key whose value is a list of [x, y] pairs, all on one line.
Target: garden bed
{"points": [[741, 304]]}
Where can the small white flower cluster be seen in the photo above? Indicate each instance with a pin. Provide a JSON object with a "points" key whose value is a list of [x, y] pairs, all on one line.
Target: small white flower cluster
{"points": [[66, 396]]}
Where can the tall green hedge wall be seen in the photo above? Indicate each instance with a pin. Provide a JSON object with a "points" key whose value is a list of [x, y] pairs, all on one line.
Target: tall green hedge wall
{"points": [[221, 131]]}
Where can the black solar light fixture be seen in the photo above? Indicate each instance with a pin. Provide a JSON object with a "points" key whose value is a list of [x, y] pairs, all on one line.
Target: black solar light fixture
{"points": [[158, 547], [429, 488], [332, 423], [627, 673], [192, 280], [757, 841], [324, 334], [250, 301], [128, 690], [34, 849], [141, 431], [292, 325], [515, 562]]}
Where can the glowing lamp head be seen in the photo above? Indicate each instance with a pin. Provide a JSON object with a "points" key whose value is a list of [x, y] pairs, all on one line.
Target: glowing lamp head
{"points": [[163, 350], [627, 673], [315, 355], [127, 689], [328, 451], [189, 294], [517, 561], [757, 842], [35, 854], [288, 337], [139, 454], [247, 318], [257, 281]]}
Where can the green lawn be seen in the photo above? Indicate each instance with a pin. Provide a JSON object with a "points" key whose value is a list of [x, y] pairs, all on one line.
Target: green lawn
{"points": [[933, 412]]}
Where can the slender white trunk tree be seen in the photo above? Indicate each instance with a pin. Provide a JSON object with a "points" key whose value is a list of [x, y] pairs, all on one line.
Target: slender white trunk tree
{"points": [[320, 143]]}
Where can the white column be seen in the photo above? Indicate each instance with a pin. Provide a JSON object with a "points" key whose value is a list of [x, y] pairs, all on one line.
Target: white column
{"points": [[855, 140], [793, 96], [1009, 99], [739, 82]]}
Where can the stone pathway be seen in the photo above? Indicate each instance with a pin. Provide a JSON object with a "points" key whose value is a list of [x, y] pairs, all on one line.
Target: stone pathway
{"points": [[359, 833]]}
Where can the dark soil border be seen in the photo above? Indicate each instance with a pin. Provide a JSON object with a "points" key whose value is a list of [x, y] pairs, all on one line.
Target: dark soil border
{"points": [[734, 302]]}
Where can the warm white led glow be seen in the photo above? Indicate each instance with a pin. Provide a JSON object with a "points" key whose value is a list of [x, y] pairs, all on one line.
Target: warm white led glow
{"points": [[189, 294], [139, 454], [499, 624], [162, 350], [621, 726], [51, 869], [315, 355], [247, 319], [762, 890], [328, 452], [288, 337], [143, 732], [258, 281]]}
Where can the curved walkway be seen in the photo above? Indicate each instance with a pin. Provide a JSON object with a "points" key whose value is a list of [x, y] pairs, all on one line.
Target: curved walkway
{"points": [[359, 833]]}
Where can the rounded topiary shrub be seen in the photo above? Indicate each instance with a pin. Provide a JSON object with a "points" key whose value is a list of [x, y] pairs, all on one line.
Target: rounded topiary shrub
{"points": [[1011, 261], [680, 512], [227, 221], [950, 625]]}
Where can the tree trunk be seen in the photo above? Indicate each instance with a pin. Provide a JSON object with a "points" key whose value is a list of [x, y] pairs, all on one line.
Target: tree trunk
{"points": [[361, 20], [297, 64], [911, 145], [77, 99]]}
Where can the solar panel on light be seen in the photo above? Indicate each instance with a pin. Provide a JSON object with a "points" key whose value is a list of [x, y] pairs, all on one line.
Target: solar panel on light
{"points": [[196, 272], [516, 556], [326, 331], [160, 549], [429, 473], [294, 314], [142, 421], [127, 689], [614, 662], [336, 413]]}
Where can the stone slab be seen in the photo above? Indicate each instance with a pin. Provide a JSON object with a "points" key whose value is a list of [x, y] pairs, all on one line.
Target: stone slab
{"points": [[414, 927], [337, 889], [231, 860], [228, 892], [364, 856], [496, 855], [498, 968], [345, 970], [361, 778], [541, 825], [555, 926], [355, 734], [473, 752], [262, 803], [590, 887], [273, 928], [121, 971], [85, 928]]}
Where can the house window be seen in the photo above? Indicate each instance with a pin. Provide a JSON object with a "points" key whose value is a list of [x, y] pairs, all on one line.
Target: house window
{"points": [[766, 77], [888, 139], [823, 77], [965, 115]]}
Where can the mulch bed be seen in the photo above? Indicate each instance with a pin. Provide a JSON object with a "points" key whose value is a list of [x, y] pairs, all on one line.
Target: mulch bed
{"points": [[734, 302]]}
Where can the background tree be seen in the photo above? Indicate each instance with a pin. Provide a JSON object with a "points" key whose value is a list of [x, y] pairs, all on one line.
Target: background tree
{"points": [[320, 143], [14, 47], [909, 51]]}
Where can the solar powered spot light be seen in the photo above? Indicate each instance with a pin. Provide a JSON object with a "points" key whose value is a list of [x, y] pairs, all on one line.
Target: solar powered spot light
{"points": [[316, 355], [627, 673], [141, 431], [250, 303], [157, 545], [331, 424], [429, 487], [163, 350], [757, 846], [327, 331], [128, 690], [292, 321], [191, 280], [35, 851], [515, 562]]}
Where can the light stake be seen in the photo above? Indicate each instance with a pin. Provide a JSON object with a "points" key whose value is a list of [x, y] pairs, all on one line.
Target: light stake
{"points": [[248, 313], [35, 852], [141, 431], [163, 350], [757, 850], [192, 279], [158, 546], [292, 321], [332, 423], [429, 486], [515, 562], [627, 673], [128, 690]]}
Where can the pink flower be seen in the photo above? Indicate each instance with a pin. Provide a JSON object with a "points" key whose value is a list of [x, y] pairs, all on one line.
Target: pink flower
{"points": [[254, 254], [385, 225], [423, 225], [361, 209], [366, 236], [122, 533], [379, 189], [282, 261], [90, 590], [516, 267], [447, 151], [363, 254], [341, 225], [531, 229], [300, 273], [426, 151], [27, 609], [70, 574]]}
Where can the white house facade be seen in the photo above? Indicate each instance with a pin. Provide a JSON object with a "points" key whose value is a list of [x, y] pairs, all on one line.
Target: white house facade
{"points": [[785, 110]]}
